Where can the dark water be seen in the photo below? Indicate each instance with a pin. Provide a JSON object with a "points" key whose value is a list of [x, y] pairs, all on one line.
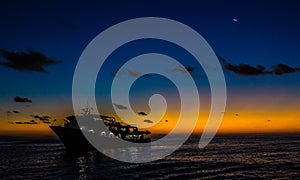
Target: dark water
{"points": [[243, 157]]}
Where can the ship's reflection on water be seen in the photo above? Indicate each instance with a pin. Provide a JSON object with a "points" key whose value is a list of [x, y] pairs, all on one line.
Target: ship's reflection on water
{"points": [[267, 157], [94, 164], [84, 163], [131, 153], [82, 167], [79, 166]]}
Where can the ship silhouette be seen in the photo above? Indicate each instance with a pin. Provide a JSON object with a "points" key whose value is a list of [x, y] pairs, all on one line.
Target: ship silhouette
{"points": [[72, 135]]}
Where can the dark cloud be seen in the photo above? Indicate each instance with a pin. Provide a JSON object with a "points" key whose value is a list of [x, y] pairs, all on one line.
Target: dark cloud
{"points": [[26, 122], [31, 122], [26, 61], [44, 118], [41, 118], [119, 106], [142, 113], [185, 70], [282, 69], [17, 122], [22, 100], [46, 122], [35, 116], [248, 70], [190, 69], [148, 121], [14, 111], [221, 59]]}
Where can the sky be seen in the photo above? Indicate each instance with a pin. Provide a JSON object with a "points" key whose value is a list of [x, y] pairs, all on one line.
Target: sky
{"points": [[257, 43]]}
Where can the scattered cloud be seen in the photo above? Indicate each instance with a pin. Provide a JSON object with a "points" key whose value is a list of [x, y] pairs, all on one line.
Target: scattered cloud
{"points": [[26, 61], [133, 73], [22, 100], [43, 119], [148, 121], [185, 70], [129, 72], [23, 122], [31, 122], [16, 112], [119, 106], [248, 70], [142, 113], [180, 70], [46, 122], [282, 69], [221, 59]]}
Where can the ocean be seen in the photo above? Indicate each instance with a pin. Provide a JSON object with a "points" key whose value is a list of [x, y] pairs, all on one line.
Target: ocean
{"points": [[226, 157]]}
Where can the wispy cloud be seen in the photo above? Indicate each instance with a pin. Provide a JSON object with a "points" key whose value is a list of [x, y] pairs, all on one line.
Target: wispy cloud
{"points": [[23, 122], [148, 121], [26, 61], [133, 73], [129, 72], [119, 106], [22, 100], [185, 70]]}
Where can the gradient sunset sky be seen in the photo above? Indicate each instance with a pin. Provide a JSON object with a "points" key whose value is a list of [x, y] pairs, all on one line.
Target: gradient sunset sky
{"points": [[257, 42]]}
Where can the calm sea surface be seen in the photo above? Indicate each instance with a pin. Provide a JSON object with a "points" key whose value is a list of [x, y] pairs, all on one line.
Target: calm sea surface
{"points": [[226, 157]]}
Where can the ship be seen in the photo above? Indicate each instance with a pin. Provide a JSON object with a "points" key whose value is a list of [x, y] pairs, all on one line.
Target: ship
{"points": [[71, 134]]}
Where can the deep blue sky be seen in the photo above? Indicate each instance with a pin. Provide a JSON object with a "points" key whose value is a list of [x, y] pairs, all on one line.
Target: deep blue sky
{"points": [[265, 32]]}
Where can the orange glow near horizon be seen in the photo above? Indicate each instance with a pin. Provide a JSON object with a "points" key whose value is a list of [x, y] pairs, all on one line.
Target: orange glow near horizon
{"points": [[25, 130], [244, 115], [231, 124]]}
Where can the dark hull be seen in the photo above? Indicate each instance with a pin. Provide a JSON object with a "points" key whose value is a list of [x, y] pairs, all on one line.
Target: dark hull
{"points": [[73, 139]]}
